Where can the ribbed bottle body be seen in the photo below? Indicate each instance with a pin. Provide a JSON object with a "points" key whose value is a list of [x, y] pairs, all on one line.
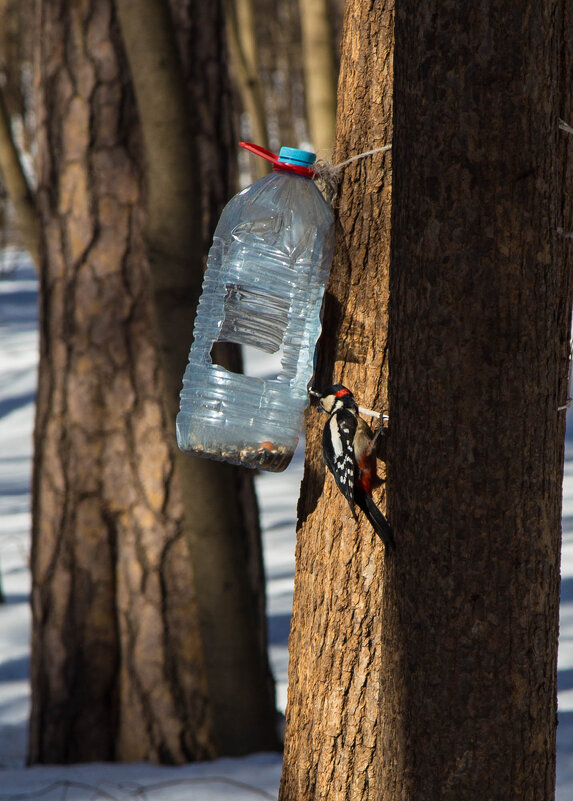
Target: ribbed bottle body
{"points": [[265, 278]]}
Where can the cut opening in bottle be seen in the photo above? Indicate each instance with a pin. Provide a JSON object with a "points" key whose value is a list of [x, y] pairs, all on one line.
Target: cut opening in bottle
{"points": [[257, 363]]}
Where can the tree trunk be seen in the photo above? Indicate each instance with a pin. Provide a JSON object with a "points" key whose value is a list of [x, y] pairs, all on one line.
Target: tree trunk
{"points": [[480, 305], [281, 71], [224, 539], [17, 187], [246, 700], [117, 666], [319, 74], [242, 39], [334, 646]]}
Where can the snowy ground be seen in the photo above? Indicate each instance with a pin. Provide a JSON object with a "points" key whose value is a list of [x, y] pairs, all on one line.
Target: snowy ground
{"points": [[240, 779]]}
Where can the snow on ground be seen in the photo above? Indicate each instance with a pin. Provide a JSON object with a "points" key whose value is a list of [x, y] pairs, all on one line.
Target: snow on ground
{"points": [[235, 779], [565, 660], [18, 357]]}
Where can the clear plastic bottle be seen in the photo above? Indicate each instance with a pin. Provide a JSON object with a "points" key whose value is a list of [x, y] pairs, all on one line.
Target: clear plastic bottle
{"points": [[265, 279]]}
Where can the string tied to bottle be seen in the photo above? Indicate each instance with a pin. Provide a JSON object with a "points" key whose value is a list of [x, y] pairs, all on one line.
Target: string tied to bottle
{"points": [[329, 175], [322, 171]]}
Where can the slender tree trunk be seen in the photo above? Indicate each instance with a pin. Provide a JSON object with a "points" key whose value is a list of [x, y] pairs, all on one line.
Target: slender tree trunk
{"points": [[240, 22], [224, 539], [319, 73], [17, 187], [117, 667], [480, 307], [281, 70], [201, 37], [335, 642], [237, 694]]}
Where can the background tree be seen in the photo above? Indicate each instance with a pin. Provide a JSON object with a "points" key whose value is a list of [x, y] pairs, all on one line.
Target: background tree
{"points": [[297, 52], [224, 539], [335, 640], [17, 186], [480, 309], [119, 639], [244, 50], [116, 658], [19, 221], [319, 73]]}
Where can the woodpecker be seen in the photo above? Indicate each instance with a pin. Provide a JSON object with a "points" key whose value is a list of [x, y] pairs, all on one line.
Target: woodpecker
{"points": [[349, 448]]}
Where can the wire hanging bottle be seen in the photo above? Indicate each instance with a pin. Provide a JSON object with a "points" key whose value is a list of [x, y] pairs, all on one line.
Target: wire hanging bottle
{"points": [[266, 273]]}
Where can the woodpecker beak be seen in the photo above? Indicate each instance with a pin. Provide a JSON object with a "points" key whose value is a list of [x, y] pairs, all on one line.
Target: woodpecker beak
{"points": [[314, 394]]}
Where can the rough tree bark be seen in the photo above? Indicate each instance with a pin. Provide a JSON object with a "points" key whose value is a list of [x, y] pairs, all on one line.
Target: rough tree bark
{"points": [[480, 305], [224, 539], [108, 478], [117, 663], [335, 642]]}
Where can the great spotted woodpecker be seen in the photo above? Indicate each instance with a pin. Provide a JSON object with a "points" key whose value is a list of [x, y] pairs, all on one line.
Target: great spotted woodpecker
{"points": [[349, 448]]}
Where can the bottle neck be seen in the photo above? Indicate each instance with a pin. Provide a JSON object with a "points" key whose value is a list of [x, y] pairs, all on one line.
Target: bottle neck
{"points": [[283, 166]]}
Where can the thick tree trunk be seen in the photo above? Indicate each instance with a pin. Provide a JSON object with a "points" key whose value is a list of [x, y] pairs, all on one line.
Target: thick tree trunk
{"points": [[116, 657], [480, 307], [334, 646]]}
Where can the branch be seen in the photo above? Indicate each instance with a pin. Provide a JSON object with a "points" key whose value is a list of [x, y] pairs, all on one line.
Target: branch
{"points": [[17, 187]]}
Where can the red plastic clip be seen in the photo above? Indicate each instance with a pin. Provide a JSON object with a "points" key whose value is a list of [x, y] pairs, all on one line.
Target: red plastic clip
{"points": [[274, 159]]}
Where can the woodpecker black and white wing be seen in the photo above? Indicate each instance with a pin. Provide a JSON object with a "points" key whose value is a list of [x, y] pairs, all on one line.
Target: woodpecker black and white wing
{"points": [[337, 441]]}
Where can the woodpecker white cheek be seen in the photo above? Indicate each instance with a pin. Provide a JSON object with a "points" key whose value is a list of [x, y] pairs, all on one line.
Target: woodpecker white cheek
{"points": [[337, 445]]}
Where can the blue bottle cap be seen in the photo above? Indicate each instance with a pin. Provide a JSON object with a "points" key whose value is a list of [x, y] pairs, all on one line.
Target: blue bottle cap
{"points": [[292, 155]]}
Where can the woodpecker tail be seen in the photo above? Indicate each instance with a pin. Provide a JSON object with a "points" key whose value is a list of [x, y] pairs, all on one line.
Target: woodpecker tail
{"points": [[377, 520]]}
